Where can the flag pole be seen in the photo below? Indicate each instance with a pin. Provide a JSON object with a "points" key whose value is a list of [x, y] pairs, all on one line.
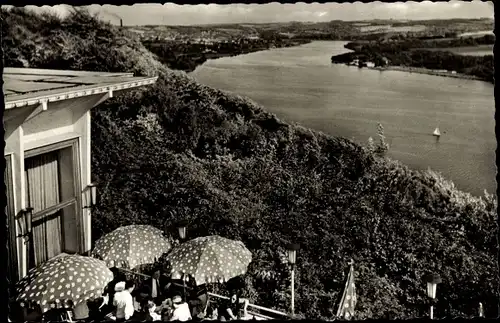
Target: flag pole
{"points": [[293, 290], [351, 262]]}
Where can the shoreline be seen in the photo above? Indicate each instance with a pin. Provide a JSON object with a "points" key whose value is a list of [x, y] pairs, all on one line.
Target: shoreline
{"points": [[421, 70], [217, 56], [201, 58]]}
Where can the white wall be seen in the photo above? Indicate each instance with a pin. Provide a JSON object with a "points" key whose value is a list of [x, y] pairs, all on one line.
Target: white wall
{"points": [[61, 121]]}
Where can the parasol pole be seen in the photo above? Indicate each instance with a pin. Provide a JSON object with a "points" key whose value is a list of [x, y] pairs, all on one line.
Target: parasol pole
{"points": [[184, 286], [133, 272]]}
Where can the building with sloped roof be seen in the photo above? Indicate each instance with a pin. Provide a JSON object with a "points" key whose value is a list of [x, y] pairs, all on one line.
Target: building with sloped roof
{"points": [[48, 162]]}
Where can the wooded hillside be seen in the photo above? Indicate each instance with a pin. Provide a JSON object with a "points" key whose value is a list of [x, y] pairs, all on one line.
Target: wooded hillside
{"points": [[181, 150]]}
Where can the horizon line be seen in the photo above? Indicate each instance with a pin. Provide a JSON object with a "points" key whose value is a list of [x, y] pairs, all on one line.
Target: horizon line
{"points": [[300, 22]]}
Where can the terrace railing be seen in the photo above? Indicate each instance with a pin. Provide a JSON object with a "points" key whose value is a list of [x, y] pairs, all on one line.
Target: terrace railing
{"points": [[258, 309], [259, 312]]}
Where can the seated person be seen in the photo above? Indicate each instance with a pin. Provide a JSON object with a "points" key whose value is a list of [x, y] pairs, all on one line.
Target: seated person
{"points": [[151, 312], [155, 286], [211, 314], [18, 311], [167, 308], [95, 306], [110, 291], [192, 289], [181, 310], [105, 311], [32, 315], [175, 287], [199, 300], [141, 312], [140, 295], [230, 310], [56, 314]]}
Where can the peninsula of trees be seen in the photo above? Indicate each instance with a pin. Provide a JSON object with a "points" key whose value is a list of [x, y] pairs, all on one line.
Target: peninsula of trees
{"points": [[433, 54]]}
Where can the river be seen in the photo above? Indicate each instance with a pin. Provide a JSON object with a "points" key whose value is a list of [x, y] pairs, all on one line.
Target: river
{"points": [[300, 85]]}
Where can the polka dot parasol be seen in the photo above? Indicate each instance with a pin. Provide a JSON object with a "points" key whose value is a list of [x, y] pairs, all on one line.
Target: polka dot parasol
{"points": [[66, 278], [209, 259], [132, 245]]}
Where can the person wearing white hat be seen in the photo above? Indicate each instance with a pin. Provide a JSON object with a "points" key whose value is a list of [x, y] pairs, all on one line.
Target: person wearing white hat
{"points": [[181, 310], [123, 300]]}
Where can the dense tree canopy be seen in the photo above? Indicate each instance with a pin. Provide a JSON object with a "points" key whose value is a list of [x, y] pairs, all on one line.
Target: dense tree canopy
{"points": [[181, 150], [186, 56], [412, 53], [415, 43]]}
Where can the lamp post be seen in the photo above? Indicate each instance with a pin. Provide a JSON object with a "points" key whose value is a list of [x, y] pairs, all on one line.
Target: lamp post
{"points": [[27, 215], [292, 259], [91, 196], [182, 228], [432, 281]]}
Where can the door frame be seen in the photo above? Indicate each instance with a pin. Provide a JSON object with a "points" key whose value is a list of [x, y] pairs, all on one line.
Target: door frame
{"points": [[77, 200], [11, 219]]}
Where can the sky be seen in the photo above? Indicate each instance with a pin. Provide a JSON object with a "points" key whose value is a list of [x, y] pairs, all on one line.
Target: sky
{"points": [[172, 14]]}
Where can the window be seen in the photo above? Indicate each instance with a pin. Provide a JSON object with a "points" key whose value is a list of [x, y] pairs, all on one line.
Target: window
{"points": [[52, 190], [12, 274]]}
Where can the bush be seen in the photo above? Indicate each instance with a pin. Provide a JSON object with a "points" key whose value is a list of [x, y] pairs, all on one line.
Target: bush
{"points": [[181, 150]]}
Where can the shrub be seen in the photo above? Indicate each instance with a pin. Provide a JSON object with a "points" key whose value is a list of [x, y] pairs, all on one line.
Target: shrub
{"points": [[181, 150]]}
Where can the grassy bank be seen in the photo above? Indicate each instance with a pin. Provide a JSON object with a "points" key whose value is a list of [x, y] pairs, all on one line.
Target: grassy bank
{"points": [[181, 150]]}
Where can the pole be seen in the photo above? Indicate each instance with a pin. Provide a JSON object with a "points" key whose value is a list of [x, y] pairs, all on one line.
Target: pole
{"points": [[184, 286], [133, 272], [293, 290], [431, 312]]}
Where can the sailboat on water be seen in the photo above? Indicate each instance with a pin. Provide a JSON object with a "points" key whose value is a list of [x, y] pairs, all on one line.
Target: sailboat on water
{"points": [[436, 133]]}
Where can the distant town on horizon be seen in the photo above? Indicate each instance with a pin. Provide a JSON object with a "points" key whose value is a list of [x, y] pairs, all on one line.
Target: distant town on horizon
{"points": [[117, 22]]}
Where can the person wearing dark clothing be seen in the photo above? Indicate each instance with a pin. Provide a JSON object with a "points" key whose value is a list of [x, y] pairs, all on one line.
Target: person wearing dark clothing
{"points": [[95, 312], [198, 301], [141, 315], [235, 284], [230, 310], [155, 286], [31, 315], [211, 314], [191, 289], [175, 287], [56, 315]]}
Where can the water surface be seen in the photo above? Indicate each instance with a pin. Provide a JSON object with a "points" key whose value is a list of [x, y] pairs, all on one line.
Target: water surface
{"points": [[299, 84], [477, 33]]}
